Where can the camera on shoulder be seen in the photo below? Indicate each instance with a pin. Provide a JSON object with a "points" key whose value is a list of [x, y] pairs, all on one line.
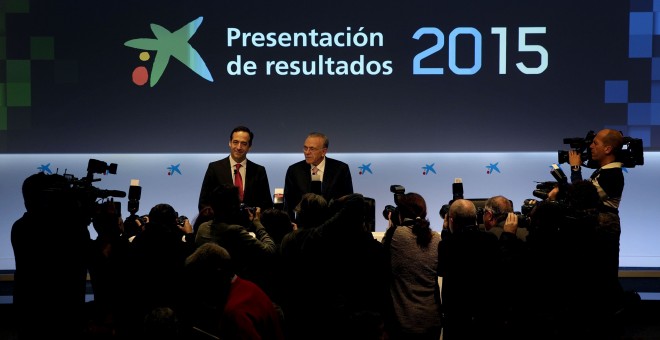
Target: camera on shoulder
{"points": [[631, 153]]}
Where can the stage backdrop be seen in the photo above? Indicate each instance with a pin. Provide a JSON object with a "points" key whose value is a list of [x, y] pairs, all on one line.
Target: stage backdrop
{"points": [[159, 76], [403, 87]]}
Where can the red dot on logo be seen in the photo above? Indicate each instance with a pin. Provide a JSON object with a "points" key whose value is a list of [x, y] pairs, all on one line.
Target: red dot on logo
{"points": [[140, 75]]}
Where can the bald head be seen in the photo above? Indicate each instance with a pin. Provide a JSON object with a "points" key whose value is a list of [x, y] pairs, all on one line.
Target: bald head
{"points": [[611, 138], [462, 213], [606, 146]]}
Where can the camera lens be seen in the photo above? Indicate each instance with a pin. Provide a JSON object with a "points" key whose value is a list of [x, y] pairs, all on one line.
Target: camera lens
{"points": [[388, 209]]}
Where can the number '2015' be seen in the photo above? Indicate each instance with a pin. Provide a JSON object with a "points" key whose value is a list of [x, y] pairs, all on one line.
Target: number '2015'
{"points": [[523, 47]]}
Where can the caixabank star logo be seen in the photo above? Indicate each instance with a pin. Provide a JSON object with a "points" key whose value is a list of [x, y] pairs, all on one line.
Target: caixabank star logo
{"points": [[168, 44]]}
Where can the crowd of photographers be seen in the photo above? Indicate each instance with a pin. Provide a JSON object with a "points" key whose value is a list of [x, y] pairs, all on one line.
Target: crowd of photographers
{"points": [[238, 273]]}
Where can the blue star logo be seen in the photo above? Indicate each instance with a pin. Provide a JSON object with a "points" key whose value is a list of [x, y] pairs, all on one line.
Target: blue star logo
{"points": [[172, 44], [428, 169], [492, 167], [365, 168], [45, 168], [174, 169]]}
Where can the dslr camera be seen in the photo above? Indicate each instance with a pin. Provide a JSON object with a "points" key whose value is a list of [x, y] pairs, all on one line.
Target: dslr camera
{"points": [[398, 191], [245, 209], [457, 193], [181, 220]]}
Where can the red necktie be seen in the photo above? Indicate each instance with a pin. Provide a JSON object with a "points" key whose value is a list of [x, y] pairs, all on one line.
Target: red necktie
{"points": [[238, 181], [315, 170]]}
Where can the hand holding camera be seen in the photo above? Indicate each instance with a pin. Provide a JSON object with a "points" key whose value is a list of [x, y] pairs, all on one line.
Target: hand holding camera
{"points": [[390, 212], [511, 223], [184, 224]]}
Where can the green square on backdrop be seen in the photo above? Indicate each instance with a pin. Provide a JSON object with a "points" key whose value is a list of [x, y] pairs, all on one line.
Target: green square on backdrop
{"points": [[18, 71], [19, 94], [3, 95], [17, 6], [3, 118], [3, 23], [3, 48], [42, 48]]}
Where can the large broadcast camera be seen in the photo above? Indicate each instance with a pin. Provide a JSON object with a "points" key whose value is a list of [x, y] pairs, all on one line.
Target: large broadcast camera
{"points": [[85, 193], [84, 188], [631, 154]]}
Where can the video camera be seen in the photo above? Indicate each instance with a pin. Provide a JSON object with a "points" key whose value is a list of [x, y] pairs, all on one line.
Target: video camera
{"points": [[543, 188], [575, 206], [580, 145], [631, 153], [85, 194], [84, 188], [398, 191], [542, 191]]}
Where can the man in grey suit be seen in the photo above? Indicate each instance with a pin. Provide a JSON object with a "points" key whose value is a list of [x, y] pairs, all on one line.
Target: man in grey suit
{"points": [[252, 176], [317, 173]]}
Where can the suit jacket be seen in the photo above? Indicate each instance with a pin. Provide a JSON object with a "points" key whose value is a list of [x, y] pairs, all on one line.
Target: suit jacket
{"points": [[257, 189], [337, 182]]}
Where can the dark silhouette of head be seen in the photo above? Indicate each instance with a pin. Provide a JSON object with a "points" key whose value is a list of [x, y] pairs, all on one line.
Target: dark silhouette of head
{"points": [[209, 269], [163, 216], [312, 211], [226, 204], [277, 224], [45, 193]]}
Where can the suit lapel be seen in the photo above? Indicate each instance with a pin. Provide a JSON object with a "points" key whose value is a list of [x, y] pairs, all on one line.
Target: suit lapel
{"points": [[226, 171]]}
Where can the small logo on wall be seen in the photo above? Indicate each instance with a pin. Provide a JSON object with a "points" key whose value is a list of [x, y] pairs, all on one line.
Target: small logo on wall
{"points": [[492, 167], [168, 44], [173, 169], [364, 169], [428, 169], [45, 168]]}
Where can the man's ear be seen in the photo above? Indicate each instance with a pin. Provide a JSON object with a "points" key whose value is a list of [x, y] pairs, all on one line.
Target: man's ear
{"points": [[608, 149]]}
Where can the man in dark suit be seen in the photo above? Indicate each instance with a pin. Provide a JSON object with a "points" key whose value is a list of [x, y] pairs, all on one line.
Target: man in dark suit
{"points": [[318, 174], [255, 187]]}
